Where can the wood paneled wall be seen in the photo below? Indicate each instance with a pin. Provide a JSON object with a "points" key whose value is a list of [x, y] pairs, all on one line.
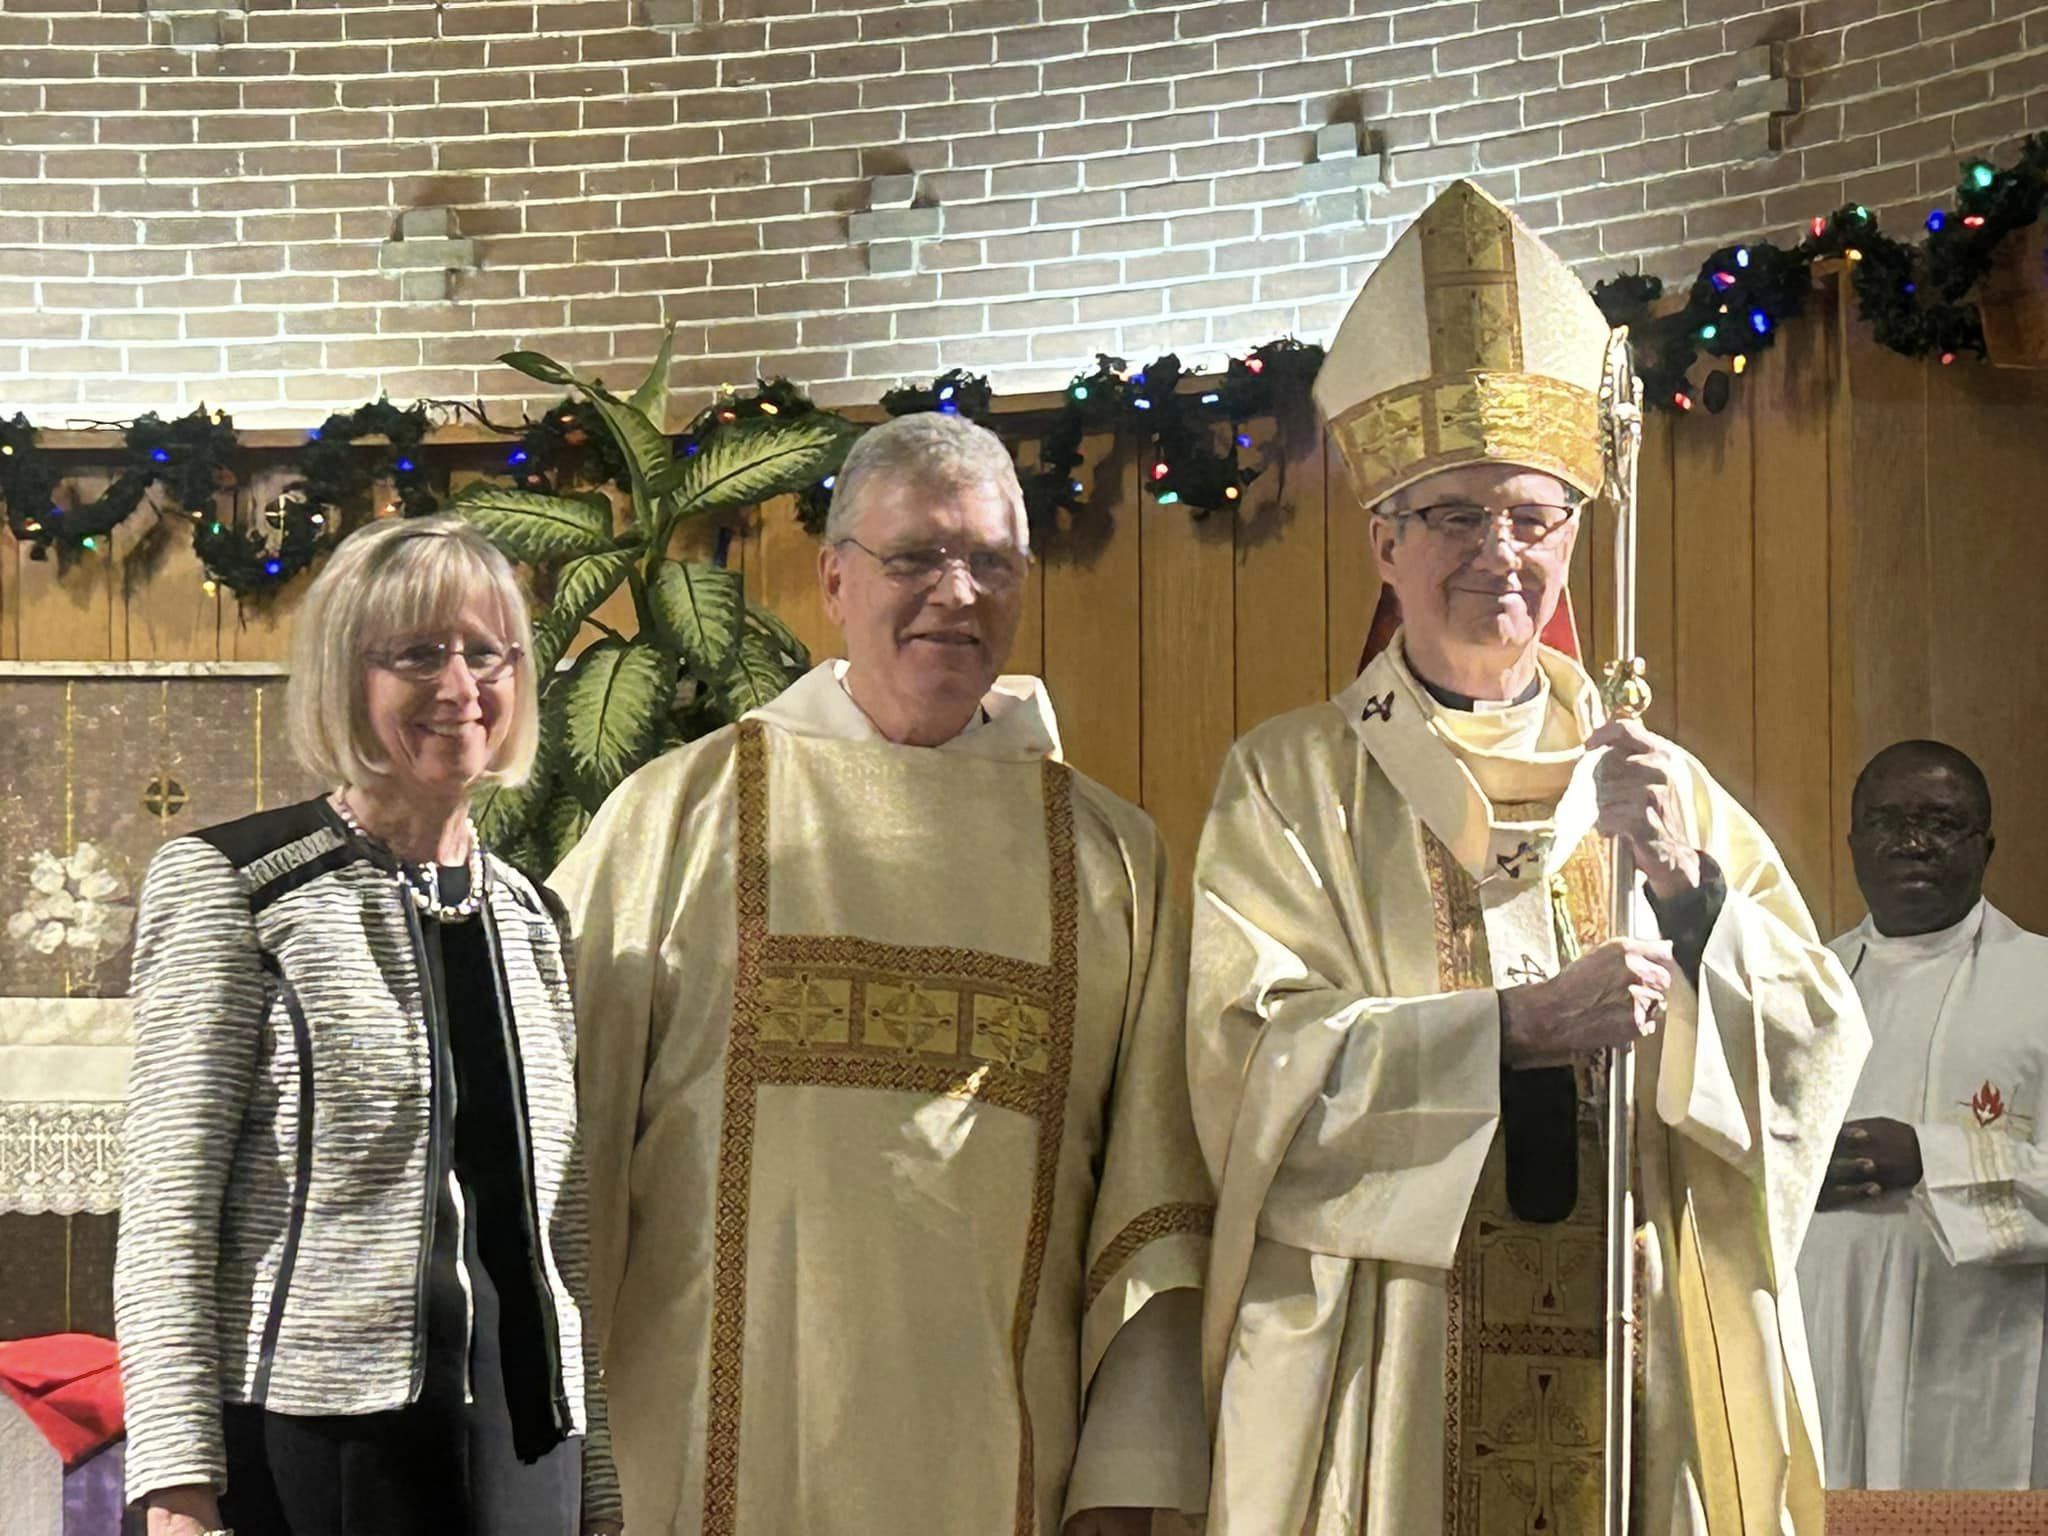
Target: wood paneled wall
{"points": [[1849, 554]]}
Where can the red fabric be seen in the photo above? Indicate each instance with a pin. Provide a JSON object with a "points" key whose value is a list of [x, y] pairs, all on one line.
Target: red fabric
{"points": [[1560, 634], [69, 1384]]}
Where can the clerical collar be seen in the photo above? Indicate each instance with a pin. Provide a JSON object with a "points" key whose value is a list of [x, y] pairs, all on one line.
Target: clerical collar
{"points": [[975, 722], [1470, 705], [1904, 948]]}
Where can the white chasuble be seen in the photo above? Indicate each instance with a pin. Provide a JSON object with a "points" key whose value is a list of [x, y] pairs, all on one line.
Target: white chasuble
{"points": [[1389, 1349], [1926, 1307], [881, 1069]]}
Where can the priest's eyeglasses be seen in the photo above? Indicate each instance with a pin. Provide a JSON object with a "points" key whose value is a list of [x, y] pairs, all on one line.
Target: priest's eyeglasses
{"points": [[1529, 524], [994, 572], [424, 661]]}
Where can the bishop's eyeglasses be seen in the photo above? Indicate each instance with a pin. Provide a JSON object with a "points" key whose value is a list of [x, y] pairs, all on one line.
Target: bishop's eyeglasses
{"points": [[993, 571], [1462, 522]]}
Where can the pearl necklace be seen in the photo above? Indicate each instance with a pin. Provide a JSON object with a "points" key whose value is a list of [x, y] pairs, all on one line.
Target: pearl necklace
{"points": [[426, 894]]}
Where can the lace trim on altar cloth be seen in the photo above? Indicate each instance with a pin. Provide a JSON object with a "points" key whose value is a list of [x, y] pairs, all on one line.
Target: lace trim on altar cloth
{"points": [[62, 1158]]}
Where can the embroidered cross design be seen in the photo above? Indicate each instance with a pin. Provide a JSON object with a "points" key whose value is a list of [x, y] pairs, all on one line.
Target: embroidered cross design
{"points": [[1526, 970], [1381, 708], [1511, 863]]}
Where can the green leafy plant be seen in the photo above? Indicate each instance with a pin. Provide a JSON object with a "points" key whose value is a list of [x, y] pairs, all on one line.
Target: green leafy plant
{"points": [[701, 655]]}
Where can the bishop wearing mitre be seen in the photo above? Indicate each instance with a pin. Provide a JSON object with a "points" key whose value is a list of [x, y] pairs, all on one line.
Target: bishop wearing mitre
{"points": [[1404, 990]]}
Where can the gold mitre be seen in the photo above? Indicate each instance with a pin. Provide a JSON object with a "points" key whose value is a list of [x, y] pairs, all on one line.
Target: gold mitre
{"points": [[1472, 342]]}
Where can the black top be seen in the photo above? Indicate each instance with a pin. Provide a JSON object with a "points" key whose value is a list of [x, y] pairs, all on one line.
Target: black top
{"points": [[480, 1102]]}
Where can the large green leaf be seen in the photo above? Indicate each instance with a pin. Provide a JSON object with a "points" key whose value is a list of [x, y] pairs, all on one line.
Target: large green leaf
{"points": [[566, 821], [754, 460], [754, 675], [551, 639], [609, 710], [795, 652], [651, 398], [647, 452], [537, 365], [503, 813], [586, 582], [531, 528], [698, 608]]}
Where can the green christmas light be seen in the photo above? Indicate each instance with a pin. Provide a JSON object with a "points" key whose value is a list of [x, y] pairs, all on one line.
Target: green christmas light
{"points": [[1981, 177]]}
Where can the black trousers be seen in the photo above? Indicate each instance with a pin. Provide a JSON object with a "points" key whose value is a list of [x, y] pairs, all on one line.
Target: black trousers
{"points": [[440, 1467]]}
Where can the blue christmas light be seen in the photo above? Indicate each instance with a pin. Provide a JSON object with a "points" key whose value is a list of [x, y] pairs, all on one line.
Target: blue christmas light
{"points": [[1742, 255], [829, 481], [1244, 440], [1935, 221], [1760, 322], [1210, 399], [948, 408], [1724, 279], [271, 567], [1138, 379], [946, 393], [690, 450], [405, 466], [159, 455], [314, 435], [1912, 288], [1142, 403], [1074, 486], [518, 456]]}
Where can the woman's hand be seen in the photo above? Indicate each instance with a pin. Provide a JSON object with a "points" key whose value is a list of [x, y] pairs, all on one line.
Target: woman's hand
{"points": [[191, 1510]]}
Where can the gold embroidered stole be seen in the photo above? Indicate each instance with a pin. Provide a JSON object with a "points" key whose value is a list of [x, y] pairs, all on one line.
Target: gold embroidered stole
{"points": [[833, 1011], [1526, 1346]]}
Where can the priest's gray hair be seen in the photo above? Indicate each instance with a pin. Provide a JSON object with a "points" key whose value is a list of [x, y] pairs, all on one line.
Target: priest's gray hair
{"points": [[924, 452], [390, 581]]}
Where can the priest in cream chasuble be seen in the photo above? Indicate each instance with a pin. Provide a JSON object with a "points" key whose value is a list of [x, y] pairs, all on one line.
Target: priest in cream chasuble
{"points": [[899, 1214], [1404, 987]]}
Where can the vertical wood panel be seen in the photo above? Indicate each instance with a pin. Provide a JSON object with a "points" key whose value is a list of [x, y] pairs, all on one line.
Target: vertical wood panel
{"points": [[1352, 580], [1027, 651], [166, 613], [68, 617], [1794, 785], [1878, 516], [1988, 548], [1656, 573], [1092, 633], [10, 628], [1713, 559], [1282, 629], [1188, 670], [781, 570]]}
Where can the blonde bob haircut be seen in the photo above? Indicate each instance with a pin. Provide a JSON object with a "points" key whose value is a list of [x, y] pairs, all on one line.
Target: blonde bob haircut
{"points": [[392, 580]]}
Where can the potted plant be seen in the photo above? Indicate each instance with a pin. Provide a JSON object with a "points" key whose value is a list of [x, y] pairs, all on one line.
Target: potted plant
{"points": [[701, 655]]}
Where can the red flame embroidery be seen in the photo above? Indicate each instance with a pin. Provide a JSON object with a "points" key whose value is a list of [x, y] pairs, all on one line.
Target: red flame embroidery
{"points": [[1987, 1104]]}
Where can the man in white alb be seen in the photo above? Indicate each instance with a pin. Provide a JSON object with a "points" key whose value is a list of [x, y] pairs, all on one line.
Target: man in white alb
{"points": [[1925, 1273]]}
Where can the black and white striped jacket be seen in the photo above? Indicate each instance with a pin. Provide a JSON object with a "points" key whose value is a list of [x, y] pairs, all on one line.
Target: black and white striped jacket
{"points": [[279, 1160]]}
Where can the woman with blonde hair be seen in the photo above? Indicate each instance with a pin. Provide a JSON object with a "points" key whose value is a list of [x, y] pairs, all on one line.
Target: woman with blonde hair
{"points": [[350, 1292]]}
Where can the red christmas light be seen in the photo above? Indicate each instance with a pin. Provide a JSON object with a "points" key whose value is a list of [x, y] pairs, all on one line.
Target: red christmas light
{"points": [[1255, 365], [1947, 358], [1974, 220], [1820, 227], [1682, 400], [1159, 471]]}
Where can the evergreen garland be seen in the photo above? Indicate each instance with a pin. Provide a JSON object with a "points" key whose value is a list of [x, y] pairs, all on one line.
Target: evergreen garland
{"points": [[1914, 297]]}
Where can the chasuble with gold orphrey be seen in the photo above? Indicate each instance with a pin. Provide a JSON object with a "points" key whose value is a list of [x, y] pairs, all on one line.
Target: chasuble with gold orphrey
{"points": [[899, 1215], [1390, 1349]]}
